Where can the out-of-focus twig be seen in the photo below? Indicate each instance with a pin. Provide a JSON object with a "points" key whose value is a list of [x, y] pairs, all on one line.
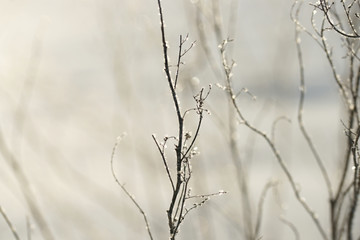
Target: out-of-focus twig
{"points": [[8, 222]]}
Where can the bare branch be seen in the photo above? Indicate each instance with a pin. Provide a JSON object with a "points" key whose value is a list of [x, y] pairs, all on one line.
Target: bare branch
{"points": [[184, 153], [180, 55]]}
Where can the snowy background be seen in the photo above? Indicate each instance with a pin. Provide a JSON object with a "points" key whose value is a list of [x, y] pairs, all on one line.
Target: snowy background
{"points": [[76, 74]]}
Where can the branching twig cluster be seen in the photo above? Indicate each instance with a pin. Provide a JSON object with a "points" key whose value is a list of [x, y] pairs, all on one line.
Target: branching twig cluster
{"points": [[184, 141], [342, 203], [344, 26], [185, 148]]}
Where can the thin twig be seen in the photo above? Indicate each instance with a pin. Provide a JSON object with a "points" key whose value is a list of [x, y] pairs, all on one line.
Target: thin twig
{"points": [[221, 192], [200, 101], [122, 186], [162, 153]]}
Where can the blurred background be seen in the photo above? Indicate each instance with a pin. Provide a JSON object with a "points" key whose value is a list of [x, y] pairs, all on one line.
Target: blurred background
{"points": [[75, 75]]}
